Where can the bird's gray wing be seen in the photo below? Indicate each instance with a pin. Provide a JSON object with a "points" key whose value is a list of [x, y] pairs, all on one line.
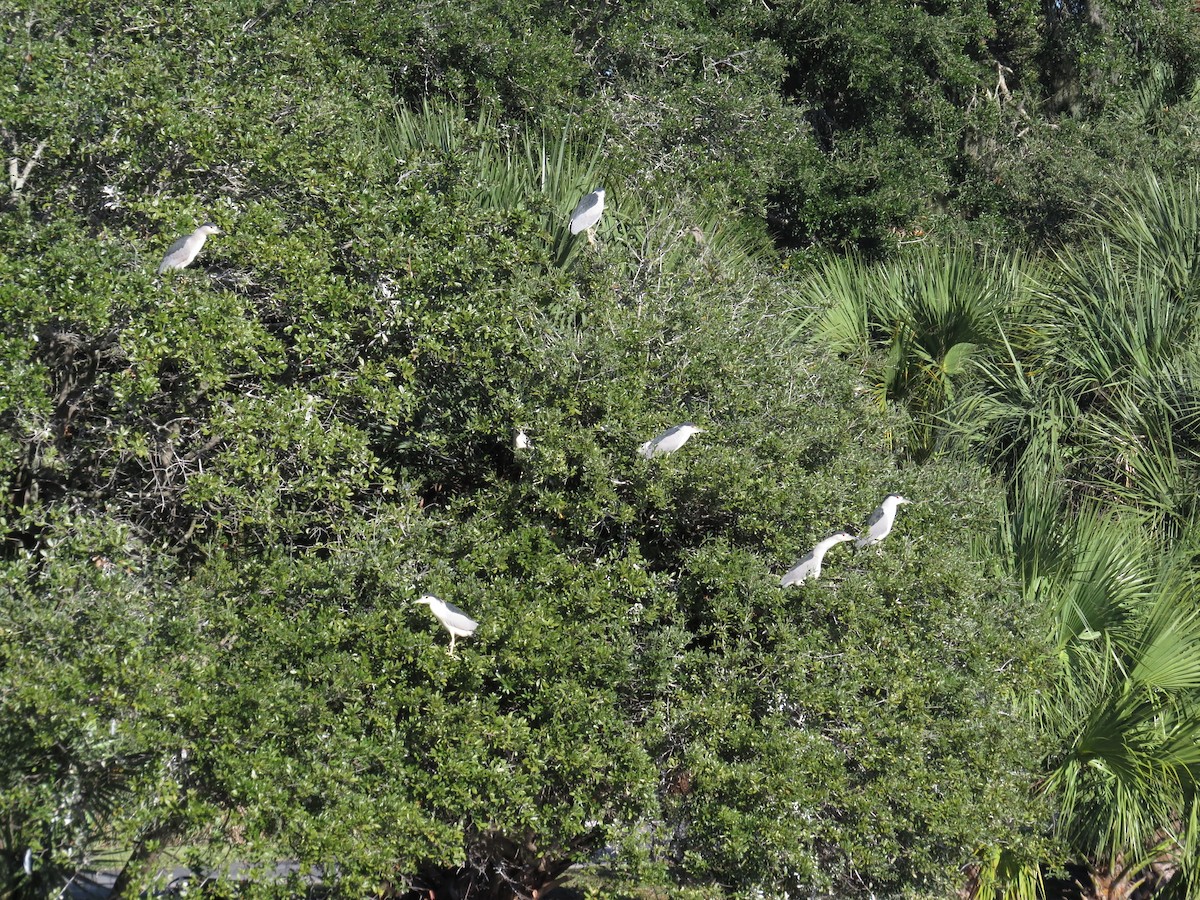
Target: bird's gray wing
{"points": [[585, 204], [875, 517], [176, 247], [175, 253], [468, 621], [799, 569]]}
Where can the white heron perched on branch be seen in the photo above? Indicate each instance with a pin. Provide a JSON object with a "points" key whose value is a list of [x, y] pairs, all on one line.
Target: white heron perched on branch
{"points": [[810, 565], [587, 213], [181, 254], [669, 441], [453, 619], [879, 525]]}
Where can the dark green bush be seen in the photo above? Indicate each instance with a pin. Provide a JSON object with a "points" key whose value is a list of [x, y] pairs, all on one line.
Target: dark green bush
{"points": [[224, 487]]}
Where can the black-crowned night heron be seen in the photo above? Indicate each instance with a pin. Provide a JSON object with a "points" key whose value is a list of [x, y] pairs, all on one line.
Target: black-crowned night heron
{"points": [[181, 253], [810, 566], [587, 213], [881, 521], [453, 619], [520, 440], [669, 441]]}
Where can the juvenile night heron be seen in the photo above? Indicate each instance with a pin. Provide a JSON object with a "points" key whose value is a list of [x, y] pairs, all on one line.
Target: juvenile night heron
{"points": [[669, 441], [453, 619], [881, 521], [181, 253], [587, 213], [810, 566]]}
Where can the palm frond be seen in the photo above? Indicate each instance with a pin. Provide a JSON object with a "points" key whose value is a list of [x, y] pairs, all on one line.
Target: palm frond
{"points": [[1126, 703], [1167, 645], [832, 306], [503, 170], [929, 317], [1003, 875], [1157, 221]]}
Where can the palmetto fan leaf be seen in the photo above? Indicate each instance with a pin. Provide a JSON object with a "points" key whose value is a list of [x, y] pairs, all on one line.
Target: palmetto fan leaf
{"points": [[833, 306], [1114, 783], [1166, 647], [927, 316], [1157, 221], [504, 170], [1099, 583], [1117, 319], [1125, 711]]}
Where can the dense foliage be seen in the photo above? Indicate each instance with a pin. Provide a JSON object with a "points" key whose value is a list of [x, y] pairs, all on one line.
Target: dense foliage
{"points": [[223, 487], [1075, 378]]}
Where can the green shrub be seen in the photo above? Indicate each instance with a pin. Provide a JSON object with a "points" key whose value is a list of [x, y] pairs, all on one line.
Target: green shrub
{"points": [[228, 485]]}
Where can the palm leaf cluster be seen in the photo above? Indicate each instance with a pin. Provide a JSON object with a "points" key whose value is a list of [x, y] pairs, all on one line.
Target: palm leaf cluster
{"points": [[1099, 384], [1077, 379], [925, 317], [1091, 414], [514, 168], [528, 169], [1122, 717]]}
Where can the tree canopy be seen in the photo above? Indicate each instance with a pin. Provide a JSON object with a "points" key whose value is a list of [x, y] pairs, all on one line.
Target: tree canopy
{"points": [[224, 486]]}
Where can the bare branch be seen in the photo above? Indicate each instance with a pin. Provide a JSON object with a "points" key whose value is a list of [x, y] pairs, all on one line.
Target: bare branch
{"points": [[18, 176]]}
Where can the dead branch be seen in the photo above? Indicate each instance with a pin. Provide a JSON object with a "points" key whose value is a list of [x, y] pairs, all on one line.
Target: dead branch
{"points": [[18, 176]]}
